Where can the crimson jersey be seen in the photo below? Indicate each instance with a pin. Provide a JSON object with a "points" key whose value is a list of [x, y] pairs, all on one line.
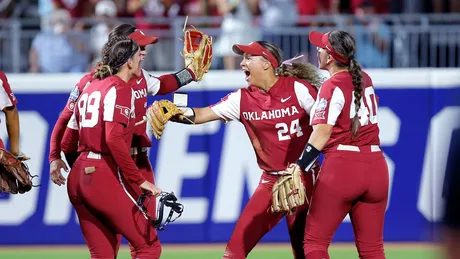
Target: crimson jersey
{"points": [[335, 106], [276, 121], [7, 97], [143, 86], [110, 99], [76, 91]]}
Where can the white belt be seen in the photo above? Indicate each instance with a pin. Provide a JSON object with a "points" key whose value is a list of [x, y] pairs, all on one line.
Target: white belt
{"points": [[137, 150], [276, 172], [374, 148], [93, 155]]}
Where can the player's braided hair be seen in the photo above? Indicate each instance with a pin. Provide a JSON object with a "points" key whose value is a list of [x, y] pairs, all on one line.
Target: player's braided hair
{"points": [[115, 53], [304, 71], [345, 45]]}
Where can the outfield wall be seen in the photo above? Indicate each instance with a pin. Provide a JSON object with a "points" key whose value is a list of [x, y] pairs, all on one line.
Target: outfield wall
{"points": [[212, 167]]}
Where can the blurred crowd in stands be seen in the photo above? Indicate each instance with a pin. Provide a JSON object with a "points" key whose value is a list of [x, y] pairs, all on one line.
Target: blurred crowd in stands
{"points": [[66, 42]]}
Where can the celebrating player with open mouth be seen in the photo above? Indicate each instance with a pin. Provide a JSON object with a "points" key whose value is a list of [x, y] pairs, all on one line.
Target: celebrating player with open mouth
{"points": [[275, 110]]}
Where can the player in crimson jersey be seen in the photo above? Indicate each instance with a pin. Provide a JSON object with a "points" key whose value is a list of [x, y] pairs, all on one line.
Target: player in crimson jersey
{"points": [[275, 110], [8, 105], [104, 178], [143, 85], [354, 175]]}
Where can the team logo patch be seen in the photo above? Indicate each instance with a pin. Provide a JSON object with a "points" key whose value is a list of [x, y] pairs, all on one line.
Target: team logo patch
{"points": [[74, 94], [322, 104], [319, 115], [125, 111]]}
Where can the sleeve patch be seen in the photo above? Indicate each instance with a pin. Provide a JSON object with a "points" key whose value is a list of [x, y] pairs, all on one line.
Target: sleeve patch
{"points": [[125, 111], [322, 104]]}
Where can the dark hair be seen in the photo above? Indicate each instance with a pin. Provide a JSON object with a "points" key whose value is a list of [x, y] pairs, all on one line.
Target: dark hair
{"points": [[304, 71], [344, 44], [122, 30], [115, 53]]}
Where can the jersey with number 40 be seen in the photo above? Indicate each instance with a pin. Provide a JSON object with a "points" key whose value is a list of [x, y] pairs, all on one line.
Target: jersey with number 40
{"points": [[335, 106], [276, 121], [108, 100]]}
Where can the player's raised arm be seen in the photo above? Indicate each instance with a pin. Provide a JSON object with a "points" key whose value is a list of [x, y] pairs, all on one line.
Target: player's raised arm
{"points": [[197, 55], [168, 83]]}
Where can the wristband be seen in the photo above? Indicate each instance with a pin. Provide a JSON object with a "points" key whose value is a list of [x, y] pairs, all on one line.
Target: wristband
{"points": [[308, 157], [183, 77]]}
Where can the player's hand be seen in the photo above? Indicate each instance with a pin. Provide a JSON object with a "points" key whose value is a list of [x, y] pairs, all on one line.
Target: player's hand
{"points": [[55, 171], [150, 187], [22, 157]]}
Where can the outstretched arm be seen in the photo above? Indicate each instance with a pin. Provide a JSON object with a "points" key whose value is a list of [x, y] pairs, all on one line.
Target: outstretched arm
{"points": [[168, 83], [197, 116], [227, 109]]}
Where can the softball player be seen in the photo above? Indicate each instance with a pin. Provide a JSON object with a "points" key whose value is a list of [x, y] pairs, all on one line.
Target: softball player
{"points": [[353, 178], [275, 110]]}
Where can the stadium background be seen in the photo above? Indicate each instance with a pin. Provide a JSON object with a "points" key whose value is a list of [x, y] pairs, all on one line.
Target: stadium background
{"points": [[410, 49]]}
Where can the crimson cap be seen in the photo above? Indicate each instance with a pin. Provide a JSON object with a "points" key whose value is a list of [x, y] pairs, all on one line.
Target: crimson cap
{"points": [[255, 49], [141, 39], [322, 41]]}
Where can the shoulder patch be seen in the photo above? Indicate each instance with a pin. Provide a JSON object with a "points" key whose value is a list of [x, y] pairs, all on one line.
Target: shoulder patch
{"points": [[74, 94], [322, 104]]}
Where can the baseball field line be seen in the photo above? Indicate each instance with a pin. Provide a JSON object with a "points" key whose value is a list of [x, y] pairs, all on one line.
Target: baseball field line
{"points": [[221, 246]]}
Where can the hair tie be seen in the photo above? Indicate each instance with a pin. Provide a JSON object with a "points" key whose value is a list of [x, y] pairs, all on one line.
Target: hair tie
{"points": [[351, 57], [289, 61]]}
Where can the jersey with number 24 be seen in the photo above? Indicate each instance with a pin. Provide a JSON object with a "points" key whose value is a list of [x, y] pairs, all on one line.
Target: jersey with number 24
{"points": [[335, 105], [277, 121]]}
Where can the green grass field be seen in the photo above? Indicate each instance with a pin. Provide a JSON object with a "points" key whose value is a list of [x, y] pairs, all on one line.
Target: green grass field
{"points": [[265, 251]]}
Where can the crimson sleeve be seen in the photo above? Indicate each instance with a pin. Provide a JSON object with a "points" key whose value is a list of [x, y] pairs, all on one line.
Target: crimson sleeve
{"points": [[329, 104], [69, 143], [57, 135], [114, 132], [7, 97], [61, 124], [171, 82]]}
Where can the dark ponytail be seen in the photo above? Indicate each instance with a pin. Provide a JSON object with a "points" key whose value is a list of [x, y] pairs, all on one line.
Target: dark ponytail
{"points": [[102, 71], [114, 54], [304, 71], [344, 44], [357, 78]]}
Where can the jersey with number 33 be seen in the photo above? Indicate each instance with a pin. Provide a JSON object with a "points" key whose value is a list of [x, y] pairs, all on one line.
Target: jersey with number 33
{"points": [[335, 106], [276, 121], [110, 100]]}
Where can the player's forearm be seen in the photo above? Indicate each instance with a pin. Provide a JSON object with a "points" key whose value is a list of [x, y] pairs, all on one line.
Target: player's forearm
{"points": [[12, 126], [114, 132], [196, 115], [57, 135], [320, 135], [317, 141], [171, 82]]}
